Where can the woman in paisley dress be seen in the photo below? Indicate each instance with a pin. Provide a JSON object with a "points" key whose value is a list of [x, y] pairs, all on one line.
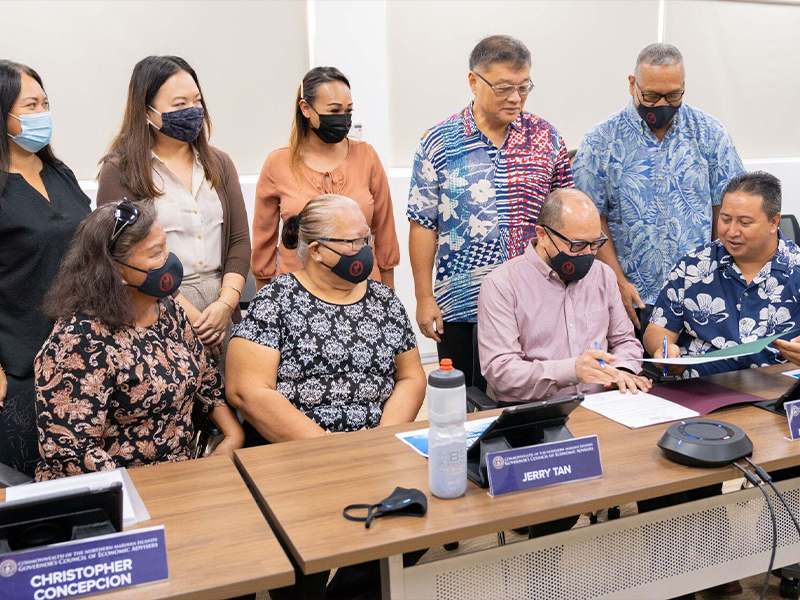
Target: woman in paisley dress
{"points": [[119, 378]]}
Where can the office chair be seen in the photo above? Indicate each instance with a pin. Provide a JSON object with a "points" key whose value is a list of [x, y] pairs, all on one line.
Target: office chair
{"points": [[248, 291], [789, 228], [10, 476]]}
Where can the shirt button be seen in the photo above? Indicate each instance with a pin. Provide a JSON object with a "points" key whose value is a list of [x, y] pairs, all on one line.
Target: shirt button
{"points": [[571, 325], [745, 293], [200, 263], [199, 237], [195, 212]]}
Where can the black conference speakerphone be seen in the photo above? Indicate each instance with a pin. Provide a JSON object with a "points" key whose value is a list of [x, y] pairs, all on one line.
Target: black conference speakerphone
{"points": [[705, 443]]}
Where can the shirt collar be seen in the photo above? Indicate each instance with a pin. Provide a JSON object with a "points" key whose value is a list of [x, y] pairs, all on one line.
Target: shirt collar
{"points": [[470, 128], [777, 263], [636, 121], [542, 267], [160, 160]]}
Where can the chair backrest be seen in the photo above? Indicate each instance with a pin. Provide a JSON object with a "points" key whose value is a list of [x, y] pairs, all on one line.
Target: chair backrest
{"points": [[477, 377], [789, 228], [248, 291]]}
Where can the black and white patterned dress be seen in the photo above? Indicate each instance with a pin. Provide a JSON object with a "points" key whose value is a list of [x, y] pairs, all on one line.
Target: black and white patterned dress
{"points": [[337, 362]]}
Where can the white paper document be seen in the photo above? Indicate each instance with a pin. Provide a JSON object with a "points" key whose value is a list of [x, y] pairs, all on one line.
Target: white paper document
{"points": [[638, 410], [692, 360], [793, 373], [133, 509]]}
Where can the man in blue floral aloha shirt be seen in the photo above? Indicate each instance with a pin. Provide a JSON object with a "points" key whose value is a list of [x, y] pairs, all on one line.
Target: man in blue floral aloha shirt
{"points": [[656, 171], [739, 288]]}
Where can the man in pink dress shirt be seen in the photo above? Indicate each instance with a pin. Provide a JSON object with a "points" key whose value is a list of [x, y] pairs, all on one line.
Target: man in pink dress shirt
{"points": [[551, 322]]}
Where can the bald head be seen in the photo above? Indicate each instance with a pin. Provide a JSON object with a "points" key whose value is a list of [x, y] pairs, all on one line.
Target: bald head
{"points": [[568, 209]]}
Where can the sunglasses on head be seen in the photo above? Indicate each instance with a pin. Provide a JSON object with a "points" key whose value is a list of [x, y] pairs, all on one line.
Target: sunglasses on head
{"points": [[126, 213]]}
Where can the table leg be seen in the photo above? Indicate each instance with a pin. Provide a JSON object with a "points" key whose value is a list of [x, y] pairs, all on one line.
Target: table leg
{"points": [[392, 578]]}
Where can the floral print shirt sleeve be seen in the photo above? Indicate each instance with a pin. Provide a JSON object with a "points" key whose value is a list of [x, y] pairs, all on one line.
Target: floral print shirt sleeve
{"points": [[483, 201], [707, 301], [657, 196], [120, 399]]}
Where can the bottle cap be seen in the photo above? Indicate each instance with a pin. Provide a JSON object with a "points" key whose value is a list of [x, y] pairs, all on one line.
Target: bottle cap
{"points": [[446, 376]]}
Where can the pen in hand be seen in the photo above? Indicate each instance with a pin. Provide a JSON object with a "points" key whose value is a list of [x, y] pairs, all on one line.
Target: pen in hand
{"points": [[664, 369], [600, 360]]}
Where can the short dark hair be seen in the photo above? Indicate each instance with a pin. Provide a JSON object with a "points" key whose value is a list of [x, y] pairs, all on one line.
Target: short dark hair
{"points": [[500, 49], [89, 281], [551, 214], [758, 183]]}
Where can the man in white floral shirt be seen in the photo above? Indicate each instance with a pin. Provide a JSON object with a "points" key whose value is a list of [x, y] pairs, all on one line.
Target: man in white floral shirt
{"points": [[478, 182], [737, 289]]}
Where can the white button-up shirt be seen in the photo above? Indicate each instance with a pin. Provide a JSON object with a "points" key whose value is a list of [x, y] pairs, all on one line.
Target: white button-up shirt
{"points": [[191, 218]]}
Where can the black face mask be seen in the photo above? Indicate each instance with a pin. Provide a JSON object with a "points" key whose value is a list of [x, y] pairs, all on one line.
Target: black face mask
{"points": [[401, 502], [163, 281], [353, 268], [657, 117], [184, 125], [333, 128], [570, 267]]}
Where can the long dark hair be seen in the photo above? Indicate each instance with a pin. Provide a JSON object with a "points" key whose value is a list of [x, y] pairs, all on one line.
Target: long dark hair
{"points": [[301, 128], [132, 147], [10, 86], [89, 281]]}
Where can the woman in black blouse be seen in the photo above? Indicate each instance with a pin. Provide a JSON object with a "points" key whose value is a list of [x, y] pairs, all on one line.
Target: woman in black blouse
{"points": [[119, 378], [325, 349], [41, 205]]}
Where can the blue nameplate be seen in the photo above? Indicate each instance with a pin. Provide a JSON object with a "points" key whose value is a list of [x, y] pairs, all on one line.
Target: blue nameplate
{"points": [[90, 566], [543, 465], [793, 414]]}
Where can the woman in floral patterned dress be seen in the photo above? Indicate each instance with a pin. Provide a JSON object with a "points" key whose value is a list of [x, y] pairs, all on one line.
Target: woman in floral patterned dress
{"points": [[119, 377]]}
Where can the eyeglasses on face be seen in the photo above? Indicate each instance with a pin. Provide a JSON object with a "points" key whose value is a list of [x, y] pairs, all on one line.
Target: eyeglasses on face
{"points": [[504, 91], [576, 246], [655, 97], [356, 244], [126, 213]]}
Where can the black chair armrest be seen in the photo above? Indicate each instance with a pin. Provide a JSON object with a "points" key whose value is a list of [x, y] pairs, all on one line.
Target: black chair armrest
{"points": [[9, 477], [478, 400]]}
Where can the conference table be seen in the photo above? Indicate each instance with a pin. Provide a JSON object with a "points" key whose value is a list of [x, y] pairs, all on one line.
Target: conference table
{"points": [[303, 487], [218, 542]]}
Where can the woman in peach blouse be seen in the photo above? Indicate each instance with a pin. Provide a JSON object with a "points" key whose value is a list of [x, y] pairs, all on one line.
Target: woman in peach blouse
{"points": [[321, 160]]}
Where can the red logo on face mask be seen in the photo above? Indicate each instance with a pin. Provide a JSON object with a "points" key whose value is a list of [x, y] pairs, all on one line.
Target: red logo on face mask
{"points": [[356, 268], [568, 268], [166, 282], [651, 118]]}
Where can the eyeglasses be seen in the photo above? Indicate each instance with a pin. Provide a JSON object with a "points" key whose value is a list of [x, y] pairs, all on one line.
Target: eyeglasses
{"points": [[576, 246], [504, 91], [126, 213], [356, 244], [654, 97]]}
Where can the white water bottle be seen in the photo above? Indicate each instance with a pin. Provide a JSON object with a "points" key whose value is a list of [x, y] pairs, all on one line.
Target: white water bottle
{"points": [[447, 436]]}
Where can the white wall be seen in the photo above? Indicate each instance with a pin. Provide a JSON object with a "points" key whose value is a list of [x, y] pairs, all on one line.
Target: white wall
{"points": [[249, 57], [741, 66], [581, 54]]}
